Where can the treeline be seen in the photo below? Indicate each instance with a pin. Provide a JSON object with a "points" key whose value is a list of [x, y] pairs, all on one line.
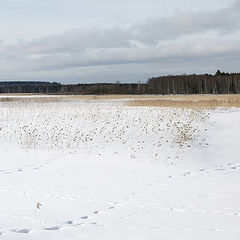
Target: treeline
{"points": [[104, 88], [220, 83], [29, 87], [57, 88]]}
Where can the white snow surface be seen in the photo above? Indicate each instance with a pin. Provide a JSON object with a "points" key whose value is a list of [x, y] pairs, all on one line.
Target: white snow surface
{"points": [[104, 170]]}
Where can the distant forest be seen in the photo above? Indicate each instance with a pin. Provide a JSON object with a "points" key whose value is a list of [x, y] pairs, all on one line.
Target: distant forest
{"points": [[220, 83]]}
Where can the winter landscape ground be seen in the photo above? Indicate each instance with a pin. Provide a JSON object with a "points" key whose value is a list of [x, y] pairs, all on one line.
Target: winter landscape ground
{"points": [[119, 168]]}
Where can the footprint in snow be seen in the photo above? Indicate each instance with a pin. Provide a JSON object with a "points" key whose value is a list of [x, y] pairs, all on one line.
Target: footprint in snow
{"points": [[53, 228], [21, 231], [213, 229], [94, 223], [69, 222]]}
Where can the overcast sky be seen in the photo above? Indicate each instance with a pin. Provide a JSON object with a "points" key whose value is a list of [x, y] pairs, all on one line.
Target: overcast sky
{"points": [[74, 41]]}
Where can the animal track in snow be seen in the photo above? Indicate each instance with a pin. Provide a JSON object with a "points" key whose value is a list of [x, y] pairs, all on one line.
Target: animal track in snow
{"points": [[69, 222], [21, 231], [54, 228]]}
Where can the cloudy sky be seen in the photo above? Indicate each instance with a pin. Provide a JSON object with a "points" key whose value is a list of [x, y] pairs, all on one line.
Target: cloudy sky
{"points": [[74, 41]]}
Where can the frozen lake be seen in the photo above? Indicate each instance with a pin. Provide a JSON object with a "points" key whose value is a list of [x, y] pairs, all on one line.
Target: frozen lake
{"points": [[99, 169]]}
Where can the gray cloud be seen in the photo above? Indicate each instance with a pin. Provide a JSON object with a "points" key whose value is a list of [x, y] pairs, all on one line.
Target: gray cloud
{"points": [[187, 42]]}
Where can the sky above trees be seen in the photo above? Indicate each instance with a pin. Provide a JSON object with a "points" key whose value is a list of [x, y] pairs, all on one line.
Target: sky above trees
{"points": [[73, 41]]}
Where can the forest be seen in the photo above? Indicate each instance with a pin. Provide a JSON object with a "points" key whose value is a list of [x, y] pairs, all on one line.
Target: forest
{"points": [[220, 83]]}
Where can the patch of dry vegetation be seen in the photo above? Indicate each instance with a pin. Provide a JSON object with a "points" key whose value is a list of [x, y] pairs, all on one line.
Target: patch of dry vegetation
{"points": [[57, 98], [190, 101], [176, 101], [90, 126]]}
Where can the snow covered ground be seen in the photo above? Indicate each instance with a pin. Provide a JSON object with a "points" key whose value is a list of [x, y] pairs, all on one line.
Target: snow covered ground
{"points": [[81, 169]]}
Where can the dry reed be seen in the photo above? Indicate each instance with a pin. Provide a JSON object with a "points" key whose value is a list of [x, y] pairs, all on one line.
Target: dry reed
{"points": [[190, 101], [177, 101]]}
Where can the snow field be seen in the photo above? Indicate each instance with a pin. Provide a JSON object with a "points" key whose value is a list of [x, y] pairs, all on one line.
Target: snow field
{"points": [[104, 170]]}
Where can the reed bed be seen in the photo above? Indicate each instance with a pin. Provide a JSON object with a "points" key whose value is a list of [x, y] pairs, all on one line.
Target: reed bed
{"points": [[190, 101], [56, 98], [176, 101]]}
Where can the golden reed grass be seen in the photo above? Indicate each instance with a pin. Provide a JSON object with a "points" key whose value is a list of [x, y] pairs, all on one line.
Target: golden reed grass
{"points": [[61, 98], [177, 101], [58, 98], [190, 101]]}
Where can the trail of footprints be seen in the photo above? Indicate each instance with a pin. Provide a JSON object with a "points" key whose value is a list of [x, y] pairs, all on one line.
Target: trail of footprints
{"points": [[33, 167], [81, 222], [199, 172], [227, 167], [84, 220]]}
